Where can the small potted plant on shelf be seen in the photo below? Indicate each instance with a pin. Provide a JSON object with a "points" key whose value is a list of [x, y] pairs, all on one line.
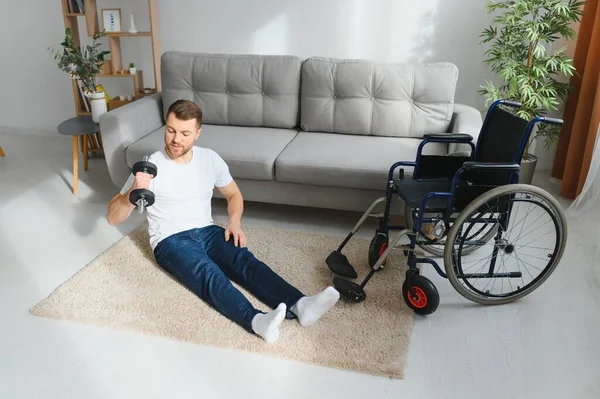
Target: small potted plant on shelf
{"points": [[83, 64], [132, 69], [523, 57]]}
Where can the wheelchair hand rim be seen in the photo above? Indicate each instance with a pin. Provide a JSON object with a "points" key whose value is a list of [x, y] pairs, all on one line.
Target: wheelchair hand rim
{"points": [[557, 215]]}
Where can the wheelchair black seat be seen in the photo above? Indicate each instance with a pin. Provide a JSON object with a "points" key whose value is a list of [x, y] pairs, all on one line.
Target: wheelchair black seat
{"points": [[413, 191]]}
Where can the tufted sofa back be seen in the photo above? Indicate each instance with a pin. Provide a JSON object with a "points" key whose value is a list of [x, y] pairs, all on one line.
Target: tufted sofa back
{"points": [[243, 90], [317, 94], [379, 99]]}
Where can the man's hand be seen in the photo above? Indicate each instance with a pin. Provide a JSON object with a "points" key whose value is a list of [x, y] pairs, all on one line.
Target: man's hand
{"points": [[235, 208], [234, 229], [141, 180]]}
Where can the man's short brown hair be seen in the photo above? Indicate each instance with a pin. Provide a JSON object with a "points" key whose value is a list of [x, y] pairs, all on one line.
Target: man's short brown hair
{"points": [[185, 110]]}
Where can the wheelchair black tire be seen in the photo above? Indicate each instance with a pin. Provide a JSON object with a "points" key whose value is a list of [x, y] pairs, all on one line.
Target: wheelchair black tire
{"points": [[435, 250], [378, 245], [560, 222], [427, 297]]}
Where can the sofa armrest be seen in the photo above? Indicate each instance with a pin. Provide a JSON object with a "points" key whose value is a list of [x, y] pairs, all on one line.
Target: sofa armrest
{"points": [[465, 119], [124, 126]]}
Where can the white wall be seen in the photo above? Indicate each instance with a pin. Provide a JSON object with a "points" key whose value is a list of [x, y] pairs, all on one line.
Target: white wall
{"points": [[389, 30], [385, 30], [34, 93]]}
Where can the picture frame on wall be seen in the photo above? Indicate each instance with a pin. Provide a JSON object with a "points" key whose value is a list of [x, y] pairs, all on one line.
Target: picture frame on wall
{"points": [[111, 19]]}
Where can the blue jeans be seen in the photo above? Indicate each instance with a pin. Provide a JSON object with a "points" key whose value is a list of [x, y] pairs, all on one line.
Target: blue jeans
{"points": [[205, 263]]}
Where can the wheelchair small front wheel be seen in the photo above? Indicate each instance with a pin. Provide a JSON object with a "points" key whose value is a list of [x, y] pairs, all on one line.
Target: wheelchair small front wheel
{"points": [[530, 241], [378, 245], [420, 295]]}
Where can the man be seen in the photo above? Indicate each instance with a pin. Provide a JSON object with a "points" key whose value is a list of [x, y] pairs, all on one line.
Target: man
{"points": [[201, 255]]}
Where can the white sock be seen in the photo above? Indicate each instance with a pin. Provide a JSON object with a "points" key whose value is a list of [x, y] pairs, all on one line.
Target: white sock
{"points": [[309, 309], [267, 324]]}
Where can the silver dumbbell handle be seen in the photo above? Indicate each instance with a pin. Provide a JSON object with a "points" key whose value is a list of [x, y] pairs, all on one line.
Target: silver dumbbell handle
{"points": [[141, 204]]}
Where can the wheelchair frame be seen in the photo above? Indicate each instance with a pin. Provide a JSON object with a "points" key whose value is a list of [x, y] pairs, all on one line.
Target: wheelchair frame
{"points": [[355, 292]]}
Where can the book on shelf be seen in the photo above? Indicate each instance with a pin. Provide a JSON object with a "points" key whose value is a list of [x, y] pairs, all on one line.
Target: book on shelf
{"points": [[76, 6], [80, 6], [84, 99]]}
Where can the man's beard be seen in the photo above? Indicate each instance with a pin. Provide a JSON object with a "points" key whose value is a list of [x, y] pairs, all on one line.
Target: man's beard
{"points": [[174, 152]]}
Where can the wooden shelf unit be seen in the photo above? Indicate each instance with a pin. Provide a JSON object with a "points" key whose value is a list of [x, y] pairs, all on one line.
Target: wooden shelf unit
{"points": [[114, 40], [116, 102], [138, 79], [125, 34]]}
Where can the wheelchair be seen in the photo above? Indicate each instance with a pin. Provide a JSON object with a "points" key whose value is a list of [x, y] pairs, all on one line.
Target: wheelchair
{"points": [[499, 240]]}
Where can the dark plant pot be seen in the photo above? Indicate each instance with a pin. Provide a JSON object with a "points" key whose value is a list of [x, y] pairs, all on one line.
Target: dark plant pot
{"points": [[528, 164]]}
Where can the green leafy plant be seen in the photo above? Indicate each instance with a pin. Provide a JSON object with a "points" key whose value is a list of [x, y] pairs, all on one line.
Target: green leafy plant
{"points": [[131, 65], [521, 53], [82, 63]]}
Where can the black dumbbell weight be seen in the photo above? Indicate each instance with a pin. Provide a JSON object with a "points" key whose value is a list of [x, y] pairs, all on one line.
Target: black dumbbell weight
{"points": [[143, 198], [145, 167]]}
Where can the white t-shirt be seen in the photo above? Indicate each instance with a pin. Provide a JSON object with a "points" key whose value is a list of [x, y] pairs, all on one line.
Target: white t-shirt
{"points": [[183, 192]]}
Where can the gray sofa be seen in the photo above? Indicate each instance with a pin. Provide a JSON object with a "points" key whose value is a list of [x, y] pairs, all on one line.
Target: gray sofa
{"points": [[314, 132]]}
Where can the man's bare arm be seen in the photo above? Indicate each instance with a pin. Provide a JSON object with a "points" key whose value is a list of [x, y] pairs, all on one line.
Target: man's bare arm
{"points": [[235, 209], [119, 209], [235, 202]]}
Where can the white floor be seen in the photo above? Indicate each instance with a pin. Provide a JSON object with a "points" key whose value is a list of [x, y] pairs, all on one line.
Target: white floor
{"points": [[545, 346]]}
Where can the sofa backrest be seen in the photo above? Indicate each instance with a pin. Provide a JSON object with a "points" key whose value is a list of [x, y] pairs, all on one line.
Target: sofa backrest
{"points": [[376, 98], [243, 90]]}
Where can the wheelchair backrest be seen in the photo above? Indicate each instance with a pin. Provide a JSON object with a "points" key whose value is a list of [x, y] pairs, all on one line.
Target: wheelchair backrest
{"points": [[502, 137]]}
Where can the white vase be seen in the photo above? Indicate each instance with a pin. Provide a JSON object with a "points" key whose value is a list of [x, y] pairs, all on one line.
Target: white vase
{"points": [[98, 101], [132, 71], [132, 28], [528, 164]]}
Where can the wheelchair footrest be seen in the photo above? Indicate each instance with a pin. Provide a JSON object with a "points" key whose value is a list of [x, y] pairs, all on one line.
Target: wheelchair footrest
{"points": [[338, 263], [349, 289]]}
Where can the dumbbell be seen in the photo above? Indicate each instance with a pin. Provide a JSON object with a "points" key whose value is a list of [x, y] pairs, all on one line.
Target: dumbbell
{"points": [[143, 198]]}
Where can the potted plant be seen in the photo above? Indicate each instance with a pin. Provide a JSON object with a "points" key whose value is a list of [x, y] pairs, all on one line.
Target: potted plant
{"points": [[83, 64], [132, 69], [523, 56]]}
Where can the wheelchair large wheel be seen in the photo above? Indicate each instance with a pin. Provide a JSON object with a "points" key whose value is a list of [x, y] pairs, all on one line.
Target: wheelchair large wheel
{"points": [[530, 241], [483, 233]]}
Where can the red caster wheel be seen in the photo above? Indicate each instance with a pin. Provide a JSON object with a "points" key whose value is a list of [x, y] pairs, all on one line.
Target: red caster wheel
{"points": [[423, 298]]}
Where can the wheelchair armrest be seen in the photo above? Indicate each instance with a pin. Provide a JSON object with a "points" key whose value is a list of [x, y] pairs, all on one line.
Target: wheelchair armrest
{"points": [[453, 137], [428, 165], [491, 166]]}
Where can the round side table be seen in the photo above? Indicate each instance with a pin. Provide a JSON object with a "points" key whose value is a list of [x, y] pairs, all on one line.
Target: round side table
{"points": [[81, 126]]}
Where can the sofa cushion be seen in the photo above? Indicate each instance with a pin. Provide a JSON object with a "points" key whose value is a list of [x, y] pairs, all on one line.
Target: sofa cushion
{"points": [[243, 90], [250, 152], [376, 98], [340, 160]]}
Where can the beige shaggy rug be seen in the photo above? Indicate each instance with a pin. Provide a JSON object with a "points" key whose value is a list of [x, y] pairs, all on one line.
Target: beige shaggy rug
{"points": [[125, 289]]}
